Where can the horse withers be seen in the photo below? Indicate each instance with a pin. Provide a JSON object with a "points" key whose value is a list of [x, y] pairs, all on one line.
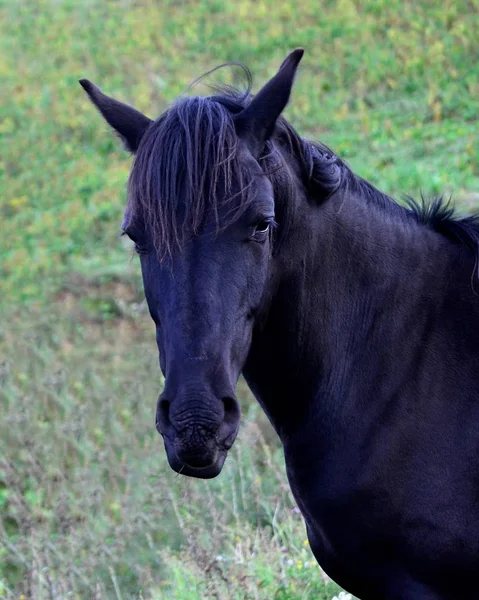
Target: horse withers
{"points": [[354, 320]]}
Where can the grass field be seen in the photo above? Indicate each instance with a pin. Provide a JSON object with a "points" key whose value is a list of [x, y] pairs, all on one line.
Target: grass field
{"points": [[89, 507]]}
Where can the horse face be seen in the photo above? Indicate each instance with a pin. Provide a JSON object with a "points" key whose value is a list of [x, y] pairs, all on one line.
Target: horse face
{"points": [[204, 300]]}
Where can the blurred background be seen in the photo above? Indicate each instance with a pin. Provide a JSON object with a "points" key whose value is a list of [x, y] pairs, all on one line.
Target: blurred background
{"points": [[89, 507]]}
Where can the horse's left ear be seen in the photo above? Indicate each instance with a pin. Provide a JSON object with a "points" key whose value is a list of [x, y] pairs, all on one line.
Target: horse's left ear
{"points": [[129, 123], [257, 120]]}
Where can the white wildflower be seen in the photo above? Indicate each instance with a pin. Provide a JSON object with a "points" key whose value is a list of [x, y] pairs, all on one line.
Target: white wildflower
{"points": [[342, 596]]}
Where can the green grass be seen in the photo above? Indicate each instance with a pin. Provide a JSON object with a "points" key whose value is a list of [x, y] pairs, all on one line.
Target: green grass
{"points": [[88, 504]]}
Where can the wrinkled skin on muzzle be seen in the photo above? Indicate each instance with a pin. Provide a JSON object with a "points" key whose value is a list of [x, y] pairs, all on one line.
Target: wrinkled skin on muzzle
{"points": [[197, 446]]}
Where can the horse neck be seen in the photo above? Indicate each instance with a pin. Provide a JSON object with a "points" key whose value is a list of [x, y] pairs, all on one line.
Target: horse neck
{"points": [[353, 280]]}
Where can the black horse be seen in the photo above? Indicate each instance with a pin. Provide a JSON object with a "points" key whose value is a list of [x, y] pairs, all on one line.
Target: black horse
{"points": [[355, 322]]}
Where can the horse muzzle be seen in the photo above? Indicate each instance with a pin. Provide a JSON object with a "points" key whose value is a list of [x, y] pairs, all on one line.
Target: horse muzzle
{"points": [[197, 446]]}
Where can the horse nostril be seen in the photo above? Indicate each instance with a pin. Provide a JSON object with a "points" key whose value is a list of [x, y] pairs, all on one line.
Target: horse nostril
{"points": [[232, 410], [163, 413]]}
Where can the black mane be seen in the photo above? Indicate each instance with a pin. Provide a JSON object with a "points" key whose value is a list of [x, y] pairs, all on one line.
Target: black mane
{"points": [[440, 215], [190, 153]]}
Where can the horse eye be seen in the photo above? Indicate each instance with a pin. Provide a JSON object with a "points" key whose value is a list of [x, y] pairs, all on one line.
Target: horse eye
{"points": [[128, 235], [261, 230], [140, 248], [262, 226]]}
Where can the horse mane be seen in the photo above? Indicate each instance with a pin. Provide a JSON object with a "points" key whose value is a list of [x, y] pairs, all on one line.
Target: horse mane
{"points": [[187, 165], [440, 214], [437, 213]]}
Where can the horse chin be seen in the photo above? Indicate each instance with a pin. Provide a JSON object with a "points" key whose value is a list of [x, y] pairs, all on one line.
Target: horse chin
{"points": [[208, 472]]}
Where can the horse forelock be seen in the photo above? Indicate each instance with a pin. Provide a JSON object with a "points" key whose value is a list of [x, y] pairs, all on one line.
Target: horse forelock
{"points": [[187, 167]]}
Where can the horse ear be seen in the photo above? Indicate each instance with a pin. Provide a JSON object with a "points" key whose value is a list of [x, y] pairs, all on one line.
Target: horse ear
{"points": [[129, 123], [257, 120]]}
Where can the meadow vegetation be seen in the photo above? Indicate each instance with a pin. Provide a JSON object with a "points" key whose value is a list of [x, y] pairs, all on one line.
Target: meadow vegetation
{"points": [[89, 507]]}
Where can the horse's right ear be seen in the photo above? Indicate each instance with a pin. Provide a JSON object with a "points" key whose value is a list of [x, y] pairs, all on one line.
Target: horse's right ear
{"points": [[129, 123]]}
